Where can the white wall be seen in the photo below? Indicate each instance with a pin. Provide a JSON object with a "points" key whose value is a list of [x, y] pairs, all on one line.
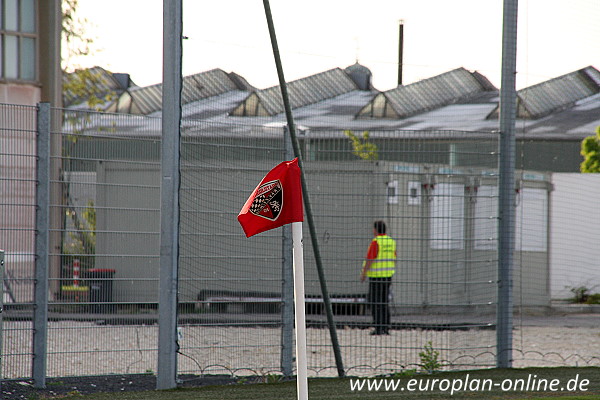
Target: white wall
{"points": [[575, 233], [22, 94]]}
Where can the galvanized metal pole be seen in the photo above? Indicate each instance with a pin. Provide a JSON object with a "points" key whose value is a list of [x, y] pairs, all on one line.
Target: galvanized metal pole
{"points": [[287, 290], [306, 197], [1, 310], [169, 195], [506, 201], [42, 229]]}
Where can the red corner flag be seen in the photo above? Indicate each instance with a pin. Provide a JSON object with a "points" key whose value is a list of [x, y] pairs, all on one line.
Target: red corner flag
{"points": [[276, 201]]}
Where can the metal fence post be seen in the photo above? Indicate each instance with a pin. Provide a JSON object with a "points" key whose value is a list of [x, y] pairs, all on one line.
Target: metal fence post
{"points": [[506, 210], [1, 308], [287, 290], [169, 195], [42, 228]]}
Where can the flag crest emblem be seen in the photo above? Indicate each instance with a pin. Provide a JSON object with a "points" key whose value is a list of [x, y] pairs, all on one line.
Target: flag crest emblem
{"points": [[276, 201], [268, 202]]}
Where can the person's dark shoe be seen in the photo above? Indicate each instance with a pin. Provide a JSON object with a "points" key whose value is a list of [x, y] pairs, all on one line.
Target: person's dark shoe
{"points": [[377, 333]]}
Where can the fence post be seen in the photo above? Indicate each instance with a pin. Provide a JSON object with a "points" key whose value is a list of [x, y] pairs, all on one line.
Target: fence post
{"points": [[42, 228], [1, 309], [169, 195], [287, 290], [506, 211]]}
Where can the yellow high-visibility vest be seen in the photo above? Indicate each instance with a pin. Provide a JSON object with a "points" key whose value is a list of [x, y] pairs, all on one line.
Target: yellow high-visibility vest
{"points": [[384, 265]]}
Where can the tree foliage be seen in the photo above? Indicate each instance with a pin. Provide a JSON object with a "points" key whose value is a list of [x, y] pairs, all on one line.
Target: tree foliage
{"points": [[83, 84], [75, 41], [590, 150], [86, 85], [361, 146], [82, 240]]}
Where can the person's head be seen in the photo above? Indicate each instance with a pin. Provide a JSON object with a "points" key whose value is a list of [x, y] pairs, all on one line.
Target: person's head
{"points": [[379, 227]]}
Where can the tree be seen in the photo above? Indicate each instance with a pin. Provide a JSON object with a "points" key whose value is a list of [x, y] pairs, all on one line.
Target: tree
{"points": [[83, 84], [82, 242], [75, 42], [80, 83], [590, 150], [362, 148]]}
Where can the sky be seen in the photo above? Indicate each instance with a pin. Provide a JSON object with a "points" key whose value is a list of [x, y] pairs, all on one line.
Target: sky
{"points": [[554, 37]]}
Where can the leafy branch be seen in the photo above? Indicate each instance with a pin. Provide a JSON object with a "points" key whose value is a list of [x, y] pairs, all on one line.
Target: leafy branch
{"points": [[361, 146], [590, 150], [76, 43]]}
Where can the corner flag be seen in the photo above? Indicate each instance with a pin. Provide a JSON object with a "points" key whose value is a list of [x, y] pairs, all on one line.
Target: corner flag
{"points": [[276, 201]]}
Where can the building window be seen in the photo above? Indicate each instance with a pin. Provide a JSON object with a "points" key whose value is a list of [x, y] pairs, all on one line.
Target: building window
{"points": [[18, 40]]}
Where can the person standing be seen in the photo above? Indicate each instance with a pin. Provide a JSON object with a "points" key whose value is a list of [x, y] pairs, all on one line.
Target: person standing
{"points": [[379, 266]]}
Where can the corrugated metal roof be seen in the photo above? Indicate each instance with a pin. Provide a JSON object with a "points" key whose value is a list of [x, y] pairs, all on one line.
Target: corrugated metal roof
{"points": [[540, 100], [556, 94], [146, 100], [468, 113], [426, 95], [96, 81], [302, 92]]}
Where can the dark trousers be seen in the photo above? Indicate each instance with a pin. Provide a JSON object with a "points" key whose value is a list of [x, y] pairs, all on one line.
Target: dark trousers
{"points": [[379, 292]]}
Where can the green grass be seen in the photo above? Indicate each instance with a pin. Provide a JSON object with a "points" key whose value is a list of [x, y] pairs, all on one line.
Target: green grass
{"points": [[339, 389]]}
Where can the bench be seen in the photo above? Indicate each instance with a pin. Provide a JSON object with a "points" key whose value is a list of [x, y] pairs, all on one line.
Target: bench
{"points": [[257, 302]]}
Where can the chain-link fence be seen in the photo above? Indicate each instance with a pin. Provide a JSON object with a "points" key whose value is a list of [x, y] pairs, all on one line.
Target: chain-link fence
{"points": [[437, 191]]}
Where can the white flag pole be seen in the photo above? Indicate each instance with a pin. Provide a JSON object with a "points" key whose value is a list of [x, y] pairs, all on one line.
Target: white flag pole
{"points": [[301, 362]]}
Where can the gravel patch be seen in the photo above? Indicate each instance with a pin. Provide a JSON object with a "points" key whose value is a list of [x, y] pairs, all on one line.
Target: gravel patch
{"points": [[123, 358]]}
